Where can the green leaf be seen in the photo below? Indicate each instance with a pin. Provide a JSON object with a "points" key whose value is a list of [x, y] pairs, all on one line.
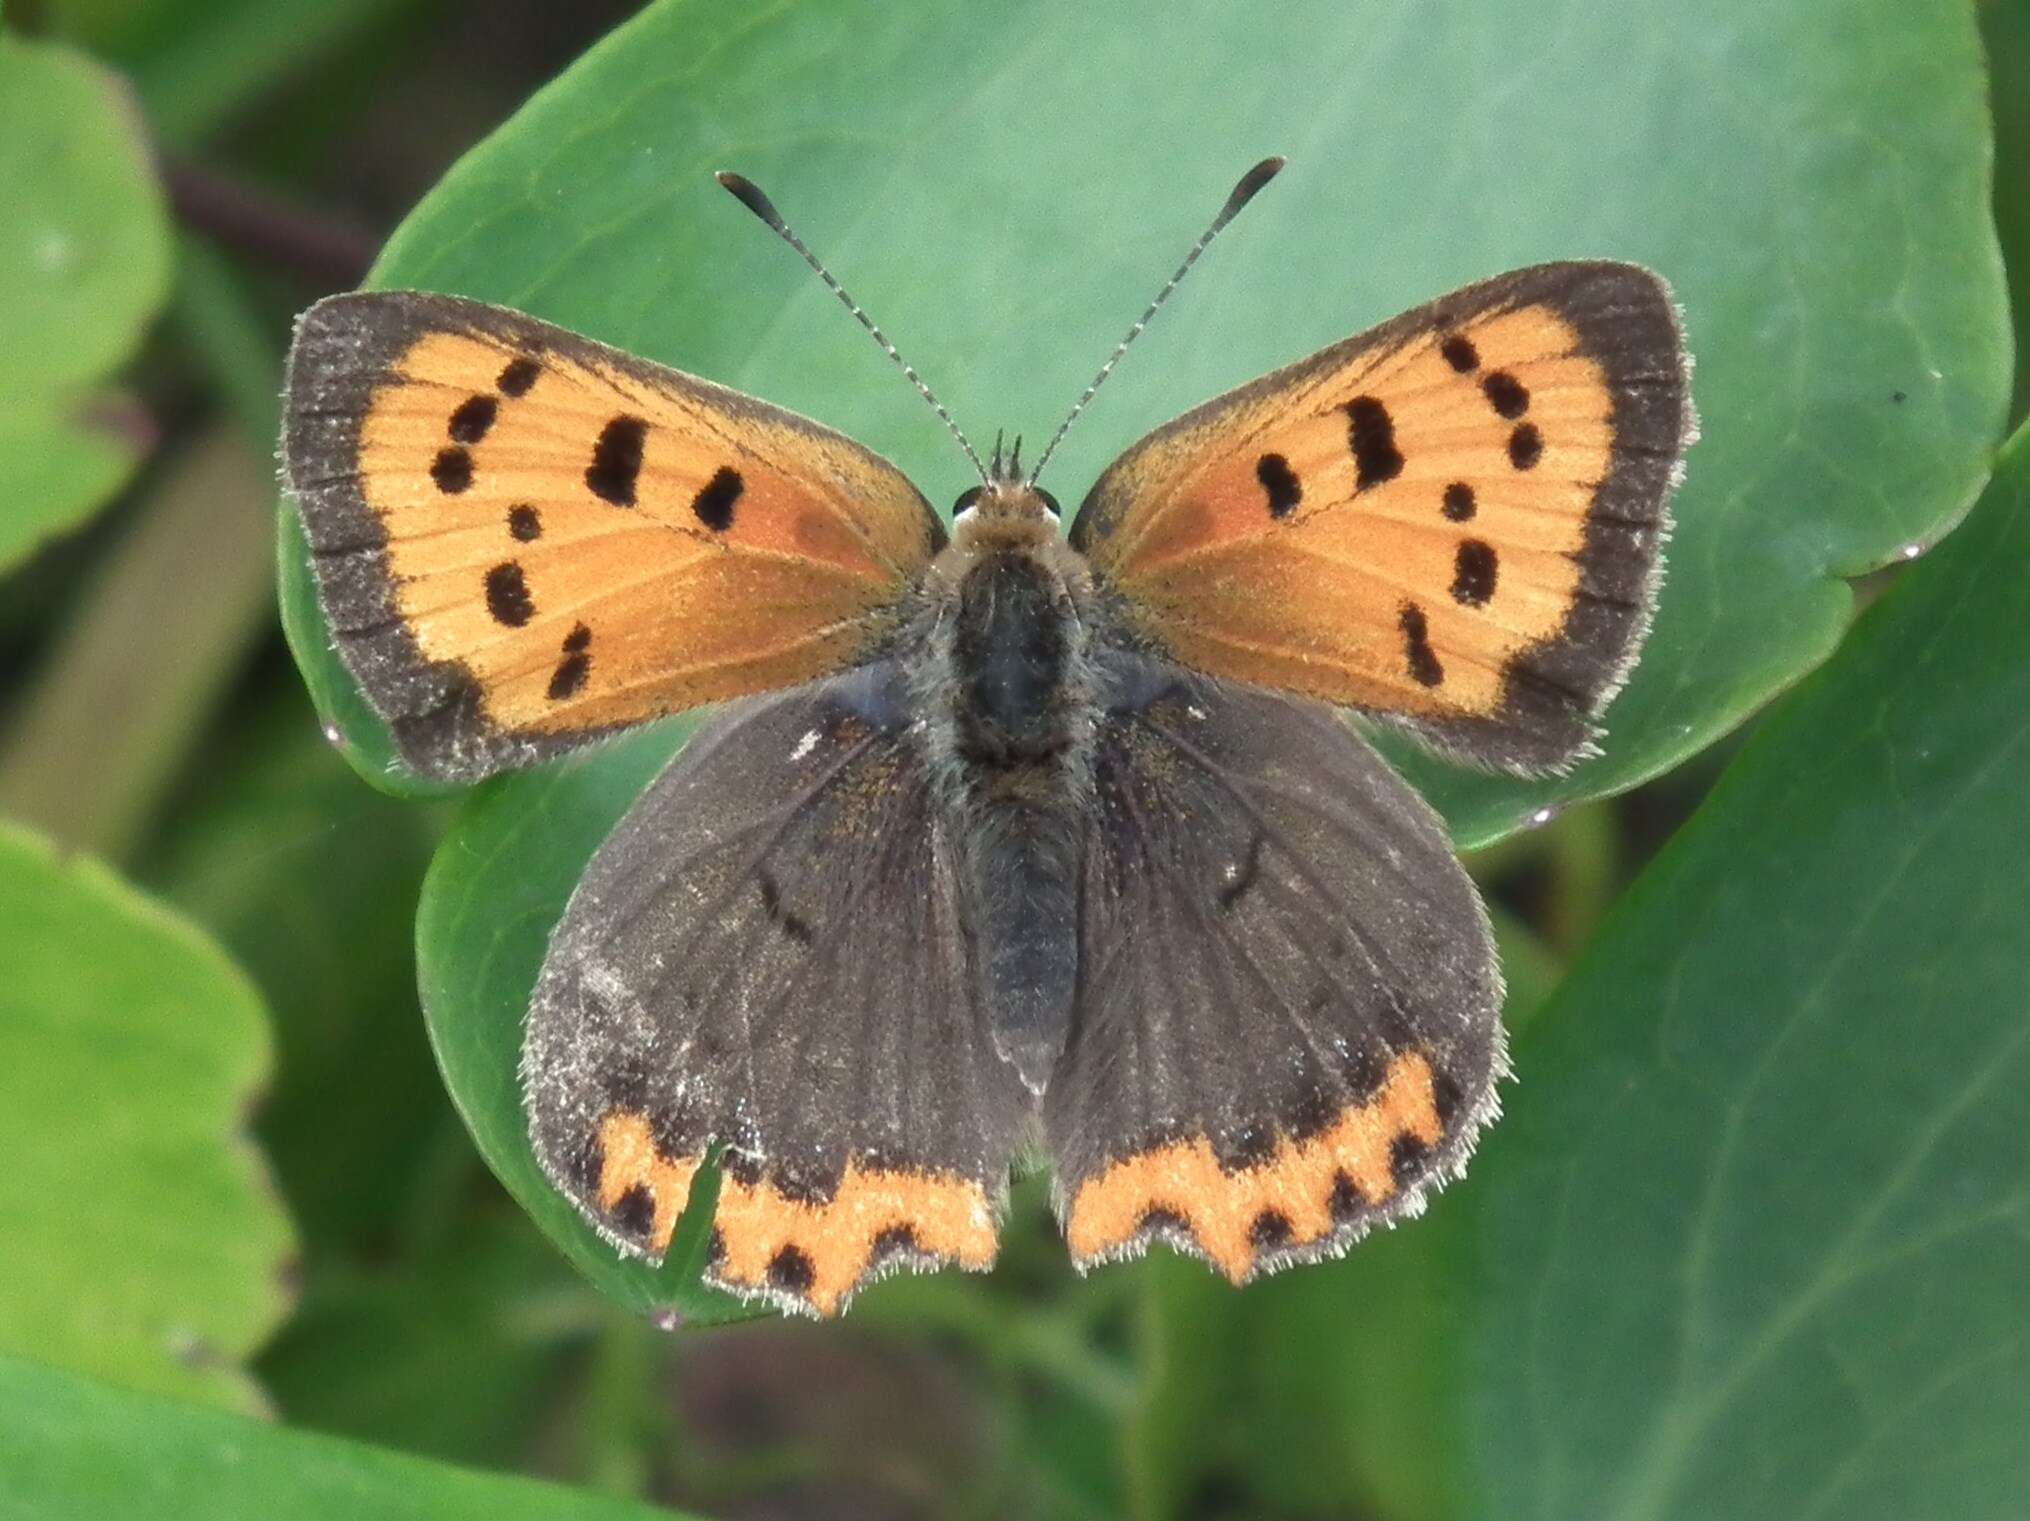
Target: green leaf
{"points": [[84, 264], [457, 1356], [1752, 1240], [2005, 28], [1840, 281], [195, 63], [71, 1448], [144, 1243], [311, 883]]}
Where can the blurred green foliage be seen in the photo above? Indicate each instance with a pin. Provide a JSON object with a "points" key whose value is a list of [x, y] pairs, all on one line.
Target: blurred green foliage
{"points": [[84, 258], [1749, 1240]]}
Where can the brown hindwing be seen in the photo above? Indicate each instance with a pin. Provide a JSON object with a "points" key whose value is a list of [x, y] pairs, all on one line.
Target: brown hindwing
{"points": [[1288, 1019]]}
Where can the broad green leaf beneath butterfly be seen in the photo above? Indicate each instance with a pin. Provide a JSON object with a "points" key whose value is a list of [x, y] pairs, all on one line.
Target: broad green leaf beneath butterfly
{"points": [[1841, 289]]}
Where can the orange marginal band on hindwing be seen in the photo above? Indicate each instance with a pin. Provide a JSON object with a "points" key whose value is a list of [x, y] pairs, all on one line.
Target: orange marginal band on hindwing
{"points": [[806, 1254], [524, 538], [1301, 1196], [1452, 520]]}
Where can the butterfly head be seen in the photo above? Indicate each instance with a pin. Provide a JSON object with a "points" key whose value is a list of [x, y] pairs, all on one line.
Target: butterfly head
{"points": [[1007, 508]]}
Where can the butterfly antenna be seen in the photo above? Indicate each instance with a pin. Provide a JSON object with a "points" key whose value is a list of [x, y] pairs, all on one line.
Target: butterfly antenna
{"points": [[749, 195], [1245, 191]]}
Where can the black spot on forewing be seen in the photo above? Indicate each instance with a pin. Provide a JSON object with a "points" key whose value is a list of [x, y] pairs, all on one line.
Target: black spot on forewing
{"points": [[1459, 503], [452, 470], [1505, 394], [714, 504], [1525, 446], [507, 595], [1345, 1201], [469, 424], [1274, 472], [791, 1270], [1417, 651], [569, 677], [1371, 435], [1473, 568], [1460, 353], [616, 460], [525, 523], [519, 375]]}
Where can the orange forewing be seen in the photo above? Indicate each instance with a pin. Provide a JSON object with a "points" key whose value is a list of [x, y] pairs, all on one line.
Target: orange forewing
{"points": [[1404, 522], [585, 539]]}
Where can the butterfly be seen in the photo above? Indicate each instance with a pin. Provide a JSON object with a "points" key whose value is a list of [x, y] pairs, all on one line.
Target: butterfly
{"points": [[997, 836]]}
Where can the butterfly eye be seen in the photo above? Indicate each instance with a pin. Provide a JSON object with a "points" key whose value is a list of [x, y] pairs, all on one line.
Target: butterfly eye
{"points": [[968, 499], [1050, 502]]}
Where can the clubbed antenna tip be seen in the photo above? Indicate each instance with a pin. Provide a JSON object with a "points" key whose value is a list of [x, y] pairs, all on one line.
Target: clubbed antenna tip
{"points": [[750, 195], [1243, 192]]}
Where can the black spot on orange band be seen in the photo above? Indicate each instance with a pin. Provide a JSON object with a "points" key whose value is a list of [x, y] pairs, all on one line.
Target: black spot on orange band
{"points": [[1280, 481], [1371, 435], [1473, 568], [578, 640], [518, 377], [616, 460], [1525, 446], [1459, 503], [1406, 1159], [525, 523], [1269, 1230], [713, 506], [452, 470], [1460, 353], [507, 595], [469, 424], [569, 677], [634, 1212], [1422, 659], [895, 1241], [1505, 394], [791, 1270]]}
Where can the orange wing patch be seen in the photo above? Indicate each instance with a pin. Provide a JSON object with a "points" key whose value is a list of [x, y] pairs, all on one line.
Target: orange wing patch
{"points": [[1307, 1195], [1453, 519], [587, 540], [808, 1255]]}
